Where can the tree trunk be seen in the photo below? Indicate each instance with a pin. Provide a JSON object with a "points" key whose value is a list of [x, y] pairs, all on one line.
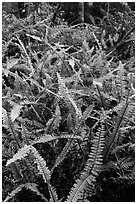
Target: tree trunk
{"points": [[81, 11]]}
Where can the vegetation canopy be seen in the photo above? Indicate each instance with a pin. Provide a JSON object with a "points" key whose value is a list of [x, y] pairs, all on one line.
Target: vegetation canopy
{"points": [[68, 101]]}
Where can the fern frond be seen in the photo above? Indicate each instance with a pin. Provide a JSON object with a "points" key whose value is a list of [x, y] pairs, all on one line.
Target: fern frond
{"points": [[30, 186], [121, 77], [44, 138], [64, 92], [5, 119], [8, 124], [44, 171], [53, 194], [69, 136], [41, 165], [47, 138], [54, 122], [23, 152], [127, 164], [14, 192], [33, 188], [79, 187], [91, 170], [31, 124]]}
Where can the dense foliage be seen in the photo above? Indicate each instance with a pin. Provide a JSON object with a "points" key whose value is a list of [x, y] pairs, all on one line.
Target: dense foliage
{"points": [[68, 102]]}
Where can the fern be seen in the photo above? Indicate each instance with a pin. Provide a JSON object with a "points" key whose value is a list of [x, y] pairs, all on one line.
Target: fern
{"points": [[69, 144], [41, 165], [54, 122], [91, 170], [30, 124], [14, 192], [64, 92], [30, 186], [47, 138], [23, 152], [69, 89], [127, 164], [44, 171], [8, 124]]}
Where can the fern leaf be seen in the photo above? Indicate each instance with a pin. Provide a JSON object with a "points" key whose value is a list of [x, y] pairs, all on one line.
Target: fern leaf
{"points": [[54, 122], [30, 186], [41, 165], [33, 188], [91, 170], [44, 138], [69, 136], [77, 110], [30, 123], [20, 154], [78, 189], [53, 194], [64, 92], [44, 171], [14, 192], [8, 124], [127, 164], [5, 118], [47, 138], [121, 75]]}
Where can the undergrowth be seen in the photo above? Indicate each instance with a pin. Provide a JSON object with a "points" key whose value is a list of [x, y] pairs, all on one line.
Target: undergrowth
{"points": [[68, 115]]}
